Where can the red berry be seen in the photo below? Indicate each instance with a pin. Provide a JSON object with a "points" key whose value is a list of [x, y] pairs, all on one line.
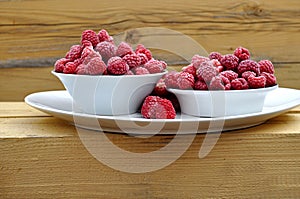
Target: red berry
{"points": [[206, 71], [256, 82], [246, 74], [91, 36], [143, 58], [88, 53], [124, 49], [85, 43], [60, 64], [230, 62], [130, 72], [217, 65], [242, 53], [117, 66], [106, 50], [141, 49], [229, 74], [133, 60], [95, 67], [189, 69], [219, 83], [248, 65], [266, 66], [200, 85], [197, 60], [141, 71], [239, 84], [270, 79], [215, 55], [74, 52], [155, 66], [171, 79], [104, 36], [185, 80], [160, 88], [70, 68], [155, 107]]}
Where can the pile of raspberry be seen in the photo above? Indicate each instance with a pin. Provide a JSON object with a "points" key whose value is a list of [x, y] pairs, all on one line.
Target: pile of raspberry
{"points": [[97, 54], [223, 72]]}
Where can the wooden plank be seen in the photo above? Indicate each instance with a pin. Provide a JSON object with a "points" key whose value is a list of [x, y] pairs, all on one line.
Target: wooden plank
{"points": [[44, 30]]}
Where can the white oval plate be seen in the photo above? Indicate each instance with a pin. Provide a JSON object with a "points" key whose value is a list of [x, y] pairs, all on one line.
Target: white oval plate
{"points": [[59, 104]]}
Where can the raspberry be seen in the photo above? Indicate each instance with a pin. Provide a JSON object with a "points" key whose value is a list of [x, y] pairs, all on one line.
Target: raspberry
{"points": [[219, 83], [160, 88], [141, 49], [95, 67], [197, 60], [185, 80], [270, 79], [88, 53], [143, 58], [256, 82], [117, 66], [206, 71], [133, 60], [141, 71], [85, 43], [74, 52], [217, 65], [91, 36], [171, 79], [155, 107], [246, 74], [215, 55], [230, 62], [189, 69], [104, 36], [106, 50], [130, 72], [266, 66], [60, 64], [248, 65], [70, 68], [229, 74], [200, 85], [242, 53], [239, 84], [155, 66], [124, 49]]}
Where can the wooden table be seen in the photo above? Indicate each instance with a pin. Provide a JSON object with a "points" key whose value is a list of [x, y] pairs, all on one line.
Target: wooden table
{"points": [[43, 157]]}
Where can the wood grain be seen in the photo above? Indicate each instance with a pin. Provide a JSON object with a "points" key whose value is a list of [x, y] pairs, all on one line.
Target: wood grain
{"points": [[35, 33]]}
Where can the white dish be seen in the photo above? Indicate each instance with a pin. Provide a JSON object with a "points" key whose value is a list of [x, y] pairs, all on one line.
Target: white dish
{"points": [[59, 104]]}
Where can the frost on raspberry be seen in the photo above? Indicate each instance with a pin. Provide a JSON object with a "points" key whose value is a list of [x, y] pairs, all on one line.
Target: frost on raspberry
{"points": [[270, 79], [171, 79], [197, 60], [143, 58], [242, 53], [246, 74], [266, 66], [185, 81], [60, 64], [215, 55], [142, 49], [230, 62], [160, 88], [141, 71], [189, 69], [95, 67], [117, 66], [257, 82], [229, 74], [91, 36], [124, 49], [70, 68], [104, 36], [200, 85], [219, 83], [239, 84], [206, 71], [74, 52], [217, 65], [88, 53], [133, 60], [248, 65], [155, 66], [106, 50], [155, 107]]}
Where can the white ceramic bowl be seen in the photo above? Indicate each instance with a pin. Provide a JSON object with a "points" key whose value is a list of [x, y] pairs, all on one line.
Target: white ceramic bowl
{"points": [[107, 94], [221, 103]]}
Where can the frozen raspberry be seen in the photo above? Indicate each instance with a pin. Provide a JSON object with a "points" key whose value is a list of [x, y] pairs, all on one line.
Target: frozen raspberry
{"points": [[117, 66], [239, 84], [155, 107], [85, 43], [88, 53], [200, 85], [143, 58], [219, 83], [246, 74], [189, 69], [197, 60], [133, 60], [91, 36], [124, 49], [242, 53], [229, 74], [160, 88], [217, 65], [185, 80], [141, 49], [257, 82], [266, 66], [215, 55], [74, 52], [248, 65], [155, 66], [230, 62], [206, 71], [270, 79], [106, 50], [95, 67], [141, 71], [171, 79], [70, 68], [130, 72], [60, 64], [104, 36]]}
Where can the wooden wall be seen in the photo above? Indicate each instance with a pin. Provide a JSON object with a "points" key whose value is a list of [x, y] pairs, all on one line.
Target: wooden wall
{"points": [[35, 33]]}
